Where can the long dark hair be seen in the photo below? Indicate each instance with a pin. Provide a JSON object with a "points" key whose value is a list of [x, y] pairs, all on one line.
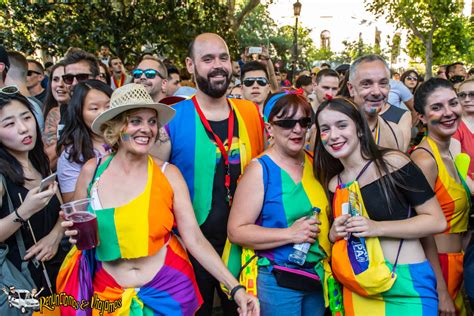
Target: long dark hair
{"points": [[76, 136], [406, 74], [326, 166], [49, 101], [9, 165]]}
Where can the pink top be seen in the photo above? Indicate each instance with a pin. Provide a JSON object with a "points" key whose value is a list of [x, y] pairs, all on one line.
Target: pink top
{"points": [[466, 138]]}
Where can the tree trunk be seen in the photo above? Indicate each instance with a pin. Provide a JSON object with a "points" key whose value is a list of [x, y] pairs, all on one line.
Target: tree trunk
{"points": [[429, 58]]}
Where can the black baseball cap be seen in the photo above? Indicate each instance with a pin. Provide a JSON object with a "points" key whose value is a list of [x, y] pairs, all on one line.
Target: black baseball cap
{"points": [[4, 57]]}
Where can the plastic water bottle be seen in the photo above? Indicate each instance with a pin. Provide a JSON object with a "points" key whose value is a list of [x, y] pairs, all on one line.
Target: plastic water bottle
{"points": [[300, 251]]}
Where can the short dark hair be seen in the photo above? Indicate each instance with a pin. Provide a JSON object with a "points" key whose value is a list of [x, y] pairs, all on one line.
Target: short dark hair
{"points": [[471, 72], [287, 105], [426, 89], [48, 64], [451, 67], [303, 81], [326, 73], [172, 70], [78, 56], [253, 66], [112, 58], [37, 63], [326, 65], [161, 66], [407, 73]]}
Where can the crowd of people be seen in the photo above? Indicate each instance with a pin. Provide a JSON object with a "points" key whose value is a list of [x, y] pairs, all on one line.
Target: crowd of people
{"points": [[345, 190]]}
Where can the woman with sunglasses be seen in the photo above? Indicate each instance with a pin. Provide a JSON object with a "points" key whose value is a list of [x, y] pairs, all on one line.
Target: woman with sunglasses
{"points": [[78, 143], [439, 109], [410, 79], [284, 211], [23, 163], [397, 204], [55, 103]]}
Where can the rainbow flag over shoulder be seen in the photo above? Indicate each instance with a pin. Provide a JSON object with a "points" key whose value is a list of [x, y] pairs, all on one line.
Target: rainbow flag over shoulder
{"points": [[195, 154]]}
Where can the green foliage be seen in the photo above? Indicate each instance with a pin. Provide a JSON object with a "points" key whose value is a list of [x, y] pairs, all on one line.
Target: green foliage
{"points": [[423, 18], [124, 25], [355, 49]]}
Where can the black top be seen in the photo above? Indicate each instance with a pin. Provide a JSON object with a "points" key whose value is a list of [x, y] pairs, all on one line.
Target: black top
{"points": [[42, 223], [412, 187], [215, 226], [393, 114]]}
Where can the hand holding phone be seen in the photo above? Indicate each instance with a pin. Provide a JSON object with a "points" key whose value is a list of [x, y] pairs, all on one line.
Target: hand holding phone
{"points": [[46, 182]]}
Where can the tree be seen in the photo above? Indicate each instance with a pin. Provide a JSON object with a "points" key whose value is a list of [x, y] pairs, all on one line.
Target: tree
{"points": [[355, 49], [125, 25], [421, 17]]}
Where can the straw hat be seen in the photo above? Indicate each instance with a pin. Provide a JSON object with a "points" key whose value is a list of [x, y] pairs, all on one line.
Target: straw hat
{"points": [[128, 97]]}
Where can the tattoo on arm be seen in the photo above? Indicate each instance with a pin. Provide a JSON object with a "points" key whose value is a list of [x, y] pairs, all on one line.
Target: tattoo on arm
{"points": [[51, 126], [163, 136]]}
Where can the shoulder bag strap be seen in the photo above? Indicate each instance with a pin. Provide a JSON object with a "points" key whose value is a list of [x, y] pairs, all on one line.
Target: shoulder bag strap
{"points": [[18, 236], [399, 248]]}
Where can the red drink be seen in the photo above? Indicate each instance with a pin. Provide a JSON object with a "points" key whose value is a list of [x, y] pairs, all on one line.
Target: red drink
{"points": [[87, 232]]}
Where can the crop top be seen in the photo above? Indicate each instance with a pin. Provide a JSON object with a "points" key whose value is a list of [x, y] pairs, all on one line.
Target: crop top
{"points": [[412, 187], [141, 227]]}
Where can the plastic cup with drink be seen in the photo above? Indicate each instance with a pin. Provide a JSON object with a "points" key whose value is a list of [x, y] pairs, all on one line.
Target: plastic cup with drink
{"points": [[84, 221]]}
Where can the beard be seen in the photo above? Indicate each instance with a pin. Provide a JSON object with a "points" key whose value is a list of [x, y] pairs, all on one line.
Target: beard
{"points": [[216, 89]]}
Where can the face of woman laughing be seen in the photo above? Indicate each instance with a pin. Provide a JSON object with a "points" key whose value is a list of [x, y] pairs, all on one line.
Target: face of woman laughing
{"points": [[338, 133], [17, 127], [140, 133], [442, 113]]}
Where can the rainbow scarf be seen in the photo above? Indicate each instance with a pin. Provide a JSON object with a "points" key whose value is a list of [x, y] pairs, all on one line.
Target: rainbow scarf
{"points": [[453, 197], [452, 269], [195, 154], [131, 230]]}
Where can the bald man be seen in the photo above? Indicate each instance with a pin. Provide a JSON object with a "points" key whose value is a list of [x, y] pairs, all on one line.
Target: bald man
{"points": [[189, 142]]}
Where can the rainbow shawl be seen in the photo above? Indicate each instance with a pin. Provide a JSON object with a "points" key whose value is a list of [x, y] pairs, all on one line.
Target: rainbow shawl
{"points": [[453, 197], [195, 154]]}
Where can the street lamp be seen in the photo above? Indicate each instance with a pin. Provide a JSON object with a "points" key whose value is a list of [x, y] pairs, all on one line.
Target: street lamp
{"points": [[296, 12]]}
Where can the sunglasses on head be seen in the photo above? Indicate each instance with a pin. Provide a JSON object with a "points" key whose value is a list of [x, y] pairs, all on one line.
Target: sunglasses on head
{"points": [[411, 78], [9, 90], [31, 72], [464, 95], [305, 122], [69, 78], [149, 73], [261, 81]]}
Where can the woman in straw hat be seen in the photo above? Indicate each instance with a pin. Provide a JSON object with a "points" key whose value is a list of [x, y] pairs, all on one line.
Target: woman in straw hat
{"points": [[139, 263]]}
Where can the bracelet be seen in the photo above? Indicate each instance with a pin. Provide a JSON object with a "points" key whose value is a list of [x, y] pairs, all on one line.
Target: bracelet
{"points": [[18, 218], [235, 289]]}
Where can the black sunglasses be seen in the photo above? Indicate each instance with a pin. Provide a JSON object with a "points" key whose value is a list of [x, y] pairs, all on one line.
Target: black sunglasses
{"points": [[9, 90], [149, 73], [69, 78], [305, 122], [261, 81], [31, 72], [464, 95]]}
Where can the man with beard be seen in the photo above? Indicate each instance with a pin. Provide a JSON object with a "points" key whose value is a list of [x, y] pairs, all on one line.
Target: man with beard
{"points": [[369, 85], [152, 74], [211, 139]]}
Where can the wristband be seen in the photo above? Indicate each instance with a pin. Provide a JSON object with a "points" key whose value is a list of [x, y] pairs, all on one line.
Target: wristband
{"points": [[235, 289], [18, 218]]}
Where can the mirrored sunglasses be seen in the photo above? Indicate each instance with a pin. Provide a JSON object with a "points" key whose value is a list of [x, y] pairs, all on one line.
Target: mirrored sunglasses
{"points": [[261, 81], [305, 122], [464, 95], [149, 73], [9, 90], [69, 78]]}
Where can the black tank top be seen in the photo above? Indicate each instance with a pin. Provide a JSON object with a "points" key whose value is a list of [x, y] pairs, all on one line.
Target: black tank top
{"points": [[42, 223]]}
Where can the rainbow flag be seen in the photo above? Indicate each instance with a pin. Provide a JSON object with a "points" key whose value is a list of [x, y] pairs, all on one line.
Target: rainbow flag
{"points": [[195, 154]]}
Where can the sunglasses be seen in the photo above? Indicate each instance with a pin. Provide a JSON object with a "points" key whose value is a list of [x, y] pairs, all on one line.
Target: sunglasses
{"points": [[102, 75], [149, 73], [305, 122], [9, 90], [411, 78], [69, 78], [31, 72], [261, 81], [234, 96], [464, 95]]}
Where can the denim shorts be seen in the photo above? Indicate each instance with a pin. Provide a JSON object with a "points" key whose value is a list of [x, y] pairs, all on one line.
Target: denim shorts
{"points": [[276, 300]]}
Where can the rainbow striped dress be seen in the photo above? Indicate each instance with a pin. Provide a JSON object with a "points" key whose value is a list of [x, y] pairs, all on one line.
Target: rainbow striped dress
{"points": [[285, 202], [137, 229], [195, 154], [454, 199]]}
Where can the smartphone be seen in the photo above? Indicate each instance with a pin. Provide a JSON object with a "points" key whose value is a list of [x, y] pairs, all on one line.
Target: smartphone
{"points": [[46, 182], [254, 50]]}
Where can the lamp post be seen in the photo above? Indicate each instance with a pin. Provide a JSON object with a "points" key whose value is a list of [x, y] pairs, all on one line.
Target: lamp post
{"points": [[296, 12]]}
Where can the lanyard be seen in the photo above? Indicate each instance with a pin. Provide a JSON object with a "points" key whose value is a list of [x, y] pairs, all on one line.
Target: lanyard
{"points": [[377, 132], [122, 79], [220, 144]]}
